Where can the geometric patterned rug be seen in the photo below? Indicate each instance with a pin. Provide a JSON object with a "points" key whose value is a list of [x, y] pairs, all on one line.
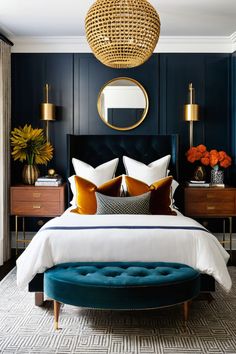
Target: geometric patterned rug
{"points": [[25, 328]]}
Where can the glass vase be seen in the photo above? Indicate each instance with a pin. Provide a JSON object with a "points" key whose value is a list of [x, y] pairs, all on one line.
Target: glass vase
{"points": [[217, 176]]}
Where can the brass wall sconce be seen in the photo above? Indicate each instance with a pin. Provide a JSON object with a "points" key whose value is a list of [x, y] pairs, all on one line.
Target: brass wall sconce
{"points": [[47, 111], [191, 112]]}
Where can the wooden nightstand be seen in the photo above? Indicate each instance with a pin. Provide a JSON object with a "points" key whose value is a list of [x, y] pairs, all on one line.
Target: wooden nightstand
{"points": [[212, 203], [31, 201]]}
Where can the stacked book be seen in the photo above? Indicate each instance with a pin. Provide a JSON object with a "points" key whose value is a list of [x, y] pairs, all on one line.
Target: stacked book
{"points": [[199, 184], [49, 181], [203, 184]]}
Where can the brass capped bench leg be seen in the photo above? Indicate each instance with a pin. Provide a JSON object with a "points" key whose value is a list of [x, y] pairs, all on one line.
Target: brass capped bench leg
{"points": [[186, 306], [56, 313]]}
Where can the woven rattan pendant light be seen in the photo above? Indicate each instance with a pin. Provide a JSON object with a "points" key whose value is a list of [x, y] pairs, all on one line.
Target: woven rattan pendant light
{"points": [[122, 33]]}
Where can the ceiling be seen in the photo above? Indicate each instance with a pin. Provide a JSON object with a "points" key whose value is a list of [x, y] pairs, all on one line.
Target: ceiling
{"points": [[66, 17]]}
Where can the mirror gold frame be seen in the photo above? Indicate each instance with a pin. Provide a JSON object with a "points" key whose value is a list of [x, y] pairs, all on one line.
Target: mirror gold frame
{"points": [[145, 108]]}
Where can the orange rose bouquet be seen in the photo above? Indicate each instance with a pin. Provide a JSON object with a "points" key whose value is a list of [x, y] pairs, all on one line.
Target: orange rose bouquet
{"points": [[198, 153], [219, 159], [212, 158]]}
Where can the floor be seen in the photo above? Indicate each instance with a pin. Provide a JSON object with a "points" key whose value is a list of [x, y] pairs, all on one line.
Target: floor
{"points": [[5, 269], [9, 265], [28, 329]]}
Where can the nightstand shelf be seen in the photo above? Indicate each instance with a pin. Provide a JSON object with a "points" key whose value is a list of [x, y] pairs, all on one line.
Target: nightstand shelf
{"points": [[31, 201], [206, 203]]}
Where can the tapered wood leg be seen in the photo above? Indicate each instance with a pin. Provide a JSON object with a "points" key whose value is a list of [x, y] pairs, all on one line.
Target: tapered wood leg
{"points": [[186, 310], [16, 233], [210, 298], [38, 299], [56, 313]]}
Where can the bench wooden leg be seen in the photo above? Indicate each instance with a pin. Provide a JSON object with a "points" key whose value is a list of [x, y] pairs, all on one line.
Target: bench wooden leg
{"points": [[210, 298], [186, 306], [38, 299], [56, 313]]}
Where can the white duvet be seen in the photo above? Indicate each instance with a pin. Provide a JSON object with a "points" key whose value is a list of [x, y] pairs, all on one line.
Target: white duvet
{"points": [[72, 237]]}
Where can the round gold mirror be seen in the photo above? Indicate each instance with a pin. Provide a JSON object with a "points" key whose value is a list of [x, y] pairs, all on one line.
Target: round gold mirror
{"points": [[122, 103]]}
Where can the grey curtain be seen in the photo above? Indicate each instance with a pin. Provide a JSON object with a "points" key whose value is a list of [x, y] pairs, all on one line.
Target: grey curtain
{"points": [[5, 121]]}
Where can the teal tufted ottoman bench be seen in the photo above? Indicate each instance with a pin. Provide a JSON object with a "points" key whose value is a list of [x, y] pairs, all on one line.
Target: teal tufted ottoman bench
{"points": [[121, 286]]}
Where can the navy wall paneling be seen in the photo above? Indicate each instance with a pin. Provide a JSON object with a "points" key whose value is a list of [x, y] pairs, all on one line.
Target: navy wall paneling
{"points": [[77, 78], [233, 111], [209, 74], [91, 75], [30, 72]]}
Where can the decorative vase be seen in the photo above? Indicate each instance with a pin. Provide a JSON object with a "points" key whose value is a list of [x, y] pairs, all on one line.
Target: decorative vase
{"points": [[217, 176], [30, 174], [199, 173]]}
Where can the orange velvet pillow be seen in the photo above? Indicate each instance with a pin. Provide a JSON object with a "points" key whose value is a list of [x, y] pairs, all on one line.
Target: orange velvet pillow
{"points": [[160, 193], [85, 193]]}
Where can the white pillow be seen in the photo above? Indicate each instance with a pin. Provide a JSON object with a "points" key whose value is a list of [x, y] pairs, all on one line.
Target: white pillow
{"points": [[147, 173], [97, 175], [174, 186], [73, 190]]}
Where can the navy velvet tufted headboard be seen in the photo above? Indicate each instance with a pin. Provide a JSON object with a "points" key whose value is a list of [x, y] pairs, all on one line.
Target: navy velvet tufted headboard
{"points": [[97, 149]]}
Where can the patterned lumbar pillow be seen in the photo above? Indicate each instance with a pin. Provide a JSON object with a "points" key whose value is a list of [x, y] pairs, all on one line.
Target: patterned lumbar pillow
{"points": [[123, 205]]}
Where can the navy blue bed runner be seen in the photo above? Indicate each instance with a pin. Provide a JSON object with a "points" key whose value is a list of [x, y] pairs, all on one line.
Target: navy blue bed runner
{"points": [[124, 227]]}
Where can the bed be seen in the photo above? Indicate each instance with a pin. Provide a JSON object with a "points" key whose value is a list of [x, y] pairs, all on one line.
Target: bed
{"points": [[122, 237]]}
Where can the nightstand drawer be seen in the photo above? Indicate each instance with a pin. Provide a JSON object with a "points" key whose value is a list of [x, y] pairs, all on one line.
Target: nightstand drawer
{"points": [[210, 208], [37, 208], [31, 201], [212, 203], [35, 194], [210, 195]]}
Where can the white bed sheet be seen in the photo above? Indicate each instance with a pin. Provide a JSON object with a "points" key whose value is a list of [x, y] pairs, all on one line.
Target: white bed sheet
{"points": [[84, 238]]}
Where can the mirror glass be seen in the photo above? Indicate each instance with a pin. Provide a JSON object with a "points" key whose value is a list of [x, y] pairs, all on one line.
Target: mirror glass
{"points": [[122, 103]]}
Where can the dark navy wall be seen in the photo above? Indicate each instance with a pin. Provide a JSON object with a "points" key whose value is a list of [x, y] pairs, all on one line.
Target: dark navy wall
{"points": [[30, 72], [91, 75], [233, 112], [210, 75], [77, 78]]}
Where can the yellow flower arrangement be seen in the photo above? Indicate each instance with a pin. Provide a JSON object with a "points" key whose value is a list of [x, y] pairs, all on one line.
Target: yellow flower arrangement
{"points": [[30, 144]]}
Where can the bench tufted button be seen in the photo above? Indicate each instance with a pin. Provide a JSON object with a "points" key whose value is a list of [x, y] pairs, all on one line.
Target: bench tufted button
{"points": [[139, 274], [112, 274], [82, 272]]}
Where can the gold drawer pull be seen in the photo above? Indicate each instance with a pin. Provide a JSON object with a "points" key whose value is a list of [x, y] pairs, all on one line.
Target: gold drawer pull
{"points": [[36, 195], [211, 207], [210, 196], [36, 206]]}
